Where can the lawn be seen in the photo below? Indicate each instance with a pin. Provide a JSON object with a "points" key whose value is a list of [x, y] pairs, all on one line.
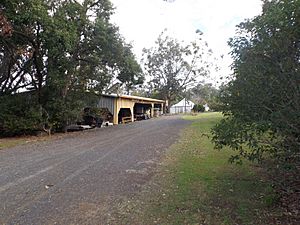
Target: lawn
{"points": [[11, 142], [196, 185]]}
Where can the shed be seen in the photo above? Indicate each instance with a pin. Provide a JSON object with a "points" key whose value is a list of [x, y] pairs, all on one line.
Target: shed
{"points": [[126, 108]]}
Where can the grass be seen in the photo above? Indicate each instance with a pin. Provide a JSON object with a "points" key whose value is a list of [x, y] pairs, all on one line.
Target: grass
{"points": [[197, 185], [11, 142]]}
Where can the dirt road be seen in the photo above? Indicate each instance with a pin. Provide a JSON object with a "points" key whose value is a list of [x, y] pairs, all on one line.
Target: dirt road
{"points": [[78, 179]]}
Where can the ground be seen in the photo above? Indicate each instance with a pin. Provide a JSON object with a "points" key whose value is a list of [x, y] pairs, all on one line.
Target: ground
{"points": [[160, 171], [196, 184], [79, 178]]}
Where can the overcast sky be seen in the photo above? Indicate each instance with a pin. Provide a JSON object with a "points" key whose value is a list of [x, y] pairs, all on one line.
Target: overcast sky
{"points": [[141, 21]]}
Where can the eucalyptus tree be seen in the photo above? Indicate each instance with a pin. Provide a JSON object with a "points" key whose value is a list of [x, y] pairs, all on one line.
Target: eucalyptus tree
{"points": [[173, 67]]}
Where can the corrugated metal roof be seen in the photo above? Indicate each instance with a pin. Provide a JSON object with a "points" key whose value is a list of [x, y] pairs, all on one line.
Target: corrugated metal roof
{"points": [[134, 98]]}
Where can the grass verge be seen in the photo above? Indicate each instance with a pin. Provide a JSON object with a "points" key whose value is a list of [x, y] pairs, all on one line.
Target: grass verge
{"points": [[11, 142], [197, 185]]}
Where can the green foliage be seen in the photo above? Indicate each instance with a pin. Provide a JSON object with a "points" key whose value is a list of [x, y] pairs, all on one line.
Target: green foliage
{"points": [[263, 97], [198, 108], [131, 73], [214, 104], [23, 114], [203, 93], [59, 50], [174, 67], [19, 115], [65, 111], [250, 139], [261, 104]]}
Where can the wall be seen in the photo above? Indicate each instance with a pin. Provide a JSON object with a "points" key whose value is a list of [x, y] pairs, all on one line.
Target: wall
{"points": [[123, 103]]}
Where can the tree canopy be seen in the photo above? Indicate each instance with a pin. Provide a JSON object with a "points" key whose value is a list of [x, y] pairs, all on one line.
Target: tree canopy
{"points": [[60, 49], [261, 103], [173, 67], [204, 93]]}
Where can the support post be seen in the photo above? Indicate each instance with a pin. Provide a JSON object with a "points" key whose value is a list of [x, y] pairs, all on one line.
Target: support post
{"points": [[152, 110], [116, 112], [132, 114]]}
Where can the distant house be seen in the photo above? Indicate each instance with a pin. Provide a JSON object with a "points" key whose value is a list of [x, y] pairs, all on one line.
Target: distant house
{"points": [[184, 106], [206, 107]]}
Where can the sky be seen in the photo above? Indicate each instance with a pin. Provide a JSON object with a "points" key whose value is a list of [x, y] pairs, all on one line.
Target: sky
{"points": [[141, 22]]}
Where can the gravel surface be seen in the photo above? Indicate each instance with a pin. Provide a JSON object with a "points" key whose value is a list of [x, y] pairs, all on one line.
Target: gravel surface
{"points": [[80, 178]]}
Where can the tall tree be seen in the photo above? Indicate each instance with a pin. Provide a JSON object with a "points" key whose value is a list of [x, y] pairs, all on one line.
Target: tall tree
{"points": [[58, 49], [261, 104], [174, 67], [56, 40], [130, 73], [22, 63]]}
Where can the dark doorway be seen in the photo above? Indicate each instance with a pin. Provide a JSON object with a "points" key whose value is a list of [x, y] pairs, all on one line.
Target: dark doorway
{"points": [[124, 113], [142, 111], [158, 110]]}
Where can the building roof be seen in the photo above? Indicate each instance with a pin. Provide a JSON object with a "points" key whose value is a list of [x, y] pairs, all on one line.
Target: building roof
{"points": [[134, 98], [184, 102]]}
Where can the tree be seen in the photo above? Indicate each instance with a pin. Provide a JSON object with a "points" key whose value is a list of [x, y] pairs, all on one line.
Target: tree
{"points": [[198, 108], [21, 55], [130, 73], [62, 40], [261, 104], [204, 93], [173, 67], [58, 50]]}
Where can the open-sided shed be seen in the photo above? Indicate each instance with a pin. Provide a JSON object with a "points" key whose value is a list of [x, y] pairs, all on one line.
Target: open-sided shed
{"points": [[126, 108]]}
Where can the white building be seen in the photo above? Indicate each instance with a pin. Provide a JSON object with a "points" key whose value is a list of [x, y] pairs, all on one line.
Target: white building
{"points": [[184, 106], [206, 107]]}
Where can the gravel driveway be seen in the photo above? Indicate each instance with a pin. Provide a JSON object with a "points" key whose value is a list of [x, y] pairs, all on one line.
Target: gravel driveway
{"points": [[79, 178]]}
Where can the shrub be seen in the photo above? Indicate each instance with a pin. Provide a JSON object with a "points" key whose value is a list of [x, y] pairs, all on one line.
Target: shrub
{"points": [[20, 114], [198, 108]]}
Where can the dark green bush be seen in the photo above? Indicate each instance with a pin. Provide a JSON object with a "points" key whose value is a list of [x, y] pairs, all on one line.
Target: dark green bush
{"points": [[20, 114], [198, 108]]}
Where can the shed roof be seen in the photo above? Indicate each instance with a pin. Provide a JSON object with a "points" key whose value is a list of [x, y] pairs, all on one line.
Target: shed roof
{"points": [[134, 98]]}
